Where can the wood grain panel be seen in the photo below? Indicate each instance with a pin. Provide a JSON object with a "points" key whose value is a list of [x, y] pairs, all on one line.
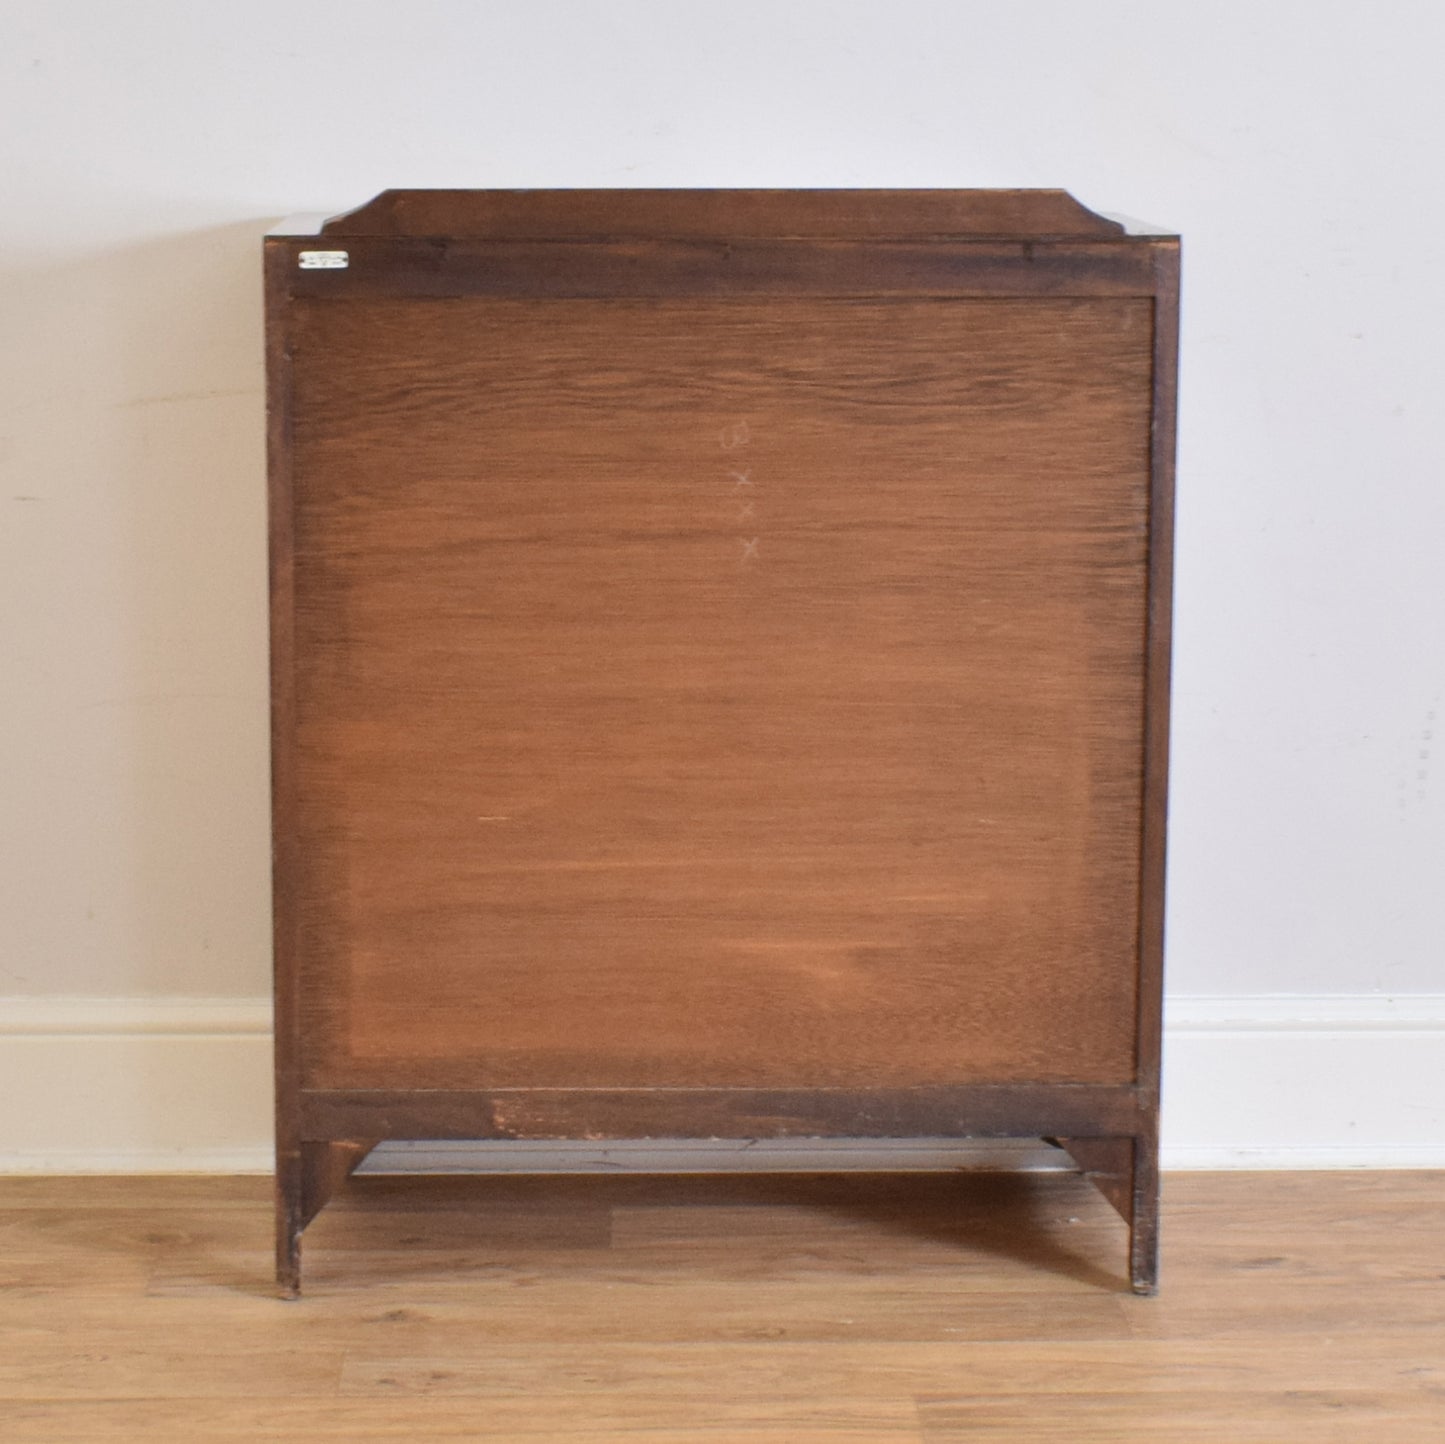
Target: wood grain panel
{"points": [[547, 270], [728, 214], [968, 1111], [715, 694]]}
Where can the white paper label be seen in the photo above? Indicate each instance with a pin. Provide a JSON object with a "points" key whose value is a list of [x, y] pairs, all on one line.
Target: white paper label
{"points": [[322, 260]]}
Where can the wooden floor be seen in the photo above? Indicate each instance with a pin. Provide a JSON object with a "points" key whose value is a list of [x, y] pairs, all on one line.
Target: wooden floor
{"points": [[760, 1309]]}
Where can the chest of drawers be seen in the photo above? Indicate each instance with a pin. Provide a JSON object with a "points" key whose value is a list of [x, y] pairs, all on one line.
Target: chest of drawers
{"points": [[720, 674]]}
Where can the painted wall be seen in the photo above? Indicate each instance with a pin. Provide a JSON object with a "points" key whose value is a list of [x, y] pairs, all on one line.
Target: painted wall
{"points": [[144, 148]]}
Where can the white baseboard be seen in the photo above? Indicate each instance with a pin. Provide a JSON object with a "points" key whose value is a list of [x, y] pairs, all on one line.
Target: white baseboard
{"points": [[1305, 1081], [135, 1085], [103, 1085]]}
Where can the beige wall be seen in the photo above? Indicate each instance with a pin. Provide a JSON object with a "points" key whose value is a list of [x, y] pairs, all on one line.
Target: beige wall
{"points": [[144, 148], [134, 821]]}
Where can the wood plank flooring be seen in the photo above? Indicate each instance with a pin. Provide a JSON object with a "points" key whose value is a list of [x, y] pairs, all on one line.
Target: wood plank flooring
{"points": [[762, 1309]]}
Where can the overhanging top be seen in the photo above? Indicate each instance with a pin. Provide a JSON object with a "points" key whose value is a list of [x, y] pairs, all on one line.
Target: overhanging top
{"points": [[596, 215]]}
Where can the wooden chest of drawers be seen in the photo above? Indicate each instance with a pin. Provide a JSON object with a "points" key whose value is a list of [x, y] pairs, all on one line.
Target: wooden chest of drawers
{"points": [[720, 666]]}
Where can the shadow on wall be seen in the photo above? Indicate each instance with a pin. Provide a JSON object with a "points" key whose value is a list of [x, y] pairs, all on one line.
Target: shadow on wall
{"points": [[133, 621]]}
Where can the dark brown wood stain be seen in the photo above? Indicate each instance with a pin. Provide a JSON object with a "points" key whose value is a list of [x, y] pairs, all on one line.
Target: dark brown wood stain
{"points": [[693, 683]]}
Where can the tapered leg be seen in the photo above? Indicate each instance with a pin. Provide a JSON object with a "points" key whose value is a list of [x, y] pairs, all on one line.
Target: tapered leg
{"points": [[290, 1202], [1126, 1171], [306, 1177], [1144, 1220]]}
